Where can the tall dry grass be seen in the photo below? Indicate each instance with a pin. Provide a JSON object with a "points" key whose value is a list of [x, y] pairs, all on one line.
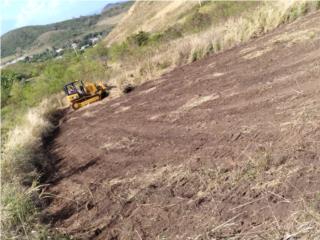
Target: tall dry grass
{"points": [[19, 178], [232, 32]]}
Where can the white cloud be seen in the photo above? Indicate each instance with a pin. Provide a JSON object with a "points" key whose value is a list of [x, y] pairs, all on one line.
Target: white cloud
{"points": [[6, 3]]}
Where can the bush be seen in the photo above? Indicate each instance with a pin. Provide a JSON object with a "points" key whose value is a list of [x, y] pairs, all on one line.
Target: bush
{"points": [[140, 39], [197, 54], [7, 79]]}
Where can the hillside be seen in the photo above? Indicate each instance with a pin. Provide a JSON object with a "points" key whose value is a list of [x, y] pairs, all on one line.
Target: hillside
{"points": [[34, 39], [223, 148], [149, 16], [218, 139], [187, 17]]}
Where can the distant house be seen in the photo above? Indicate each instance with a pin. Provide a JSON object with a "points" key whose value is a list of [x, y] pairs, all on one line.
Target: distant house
{"points": [[60, 50], [74, 45], [94, 40], [84, 47]]}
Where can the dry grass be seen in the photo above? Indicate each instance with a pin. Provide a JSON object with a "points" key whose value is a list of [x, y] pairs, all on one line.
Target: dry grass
{"points": [[296, 37], [149, 16], [19, 189], [219, 37]]}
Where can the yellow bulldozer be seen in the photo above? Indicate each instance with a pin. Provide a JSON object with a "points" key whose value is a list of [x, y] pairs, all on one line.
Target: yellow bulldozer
{"points": [[80, 94]]}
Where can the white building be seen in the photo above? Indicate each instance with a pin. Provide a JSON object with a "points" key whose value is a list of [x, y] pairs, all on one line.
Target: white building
{"points": [[60, 50], [74, 45], [84, 47], [94, 40]]}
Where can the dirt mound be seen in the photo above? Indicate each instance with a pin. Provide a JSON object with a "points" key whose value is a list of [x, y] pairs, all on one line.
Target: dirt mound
{"points": [[224, 148]]}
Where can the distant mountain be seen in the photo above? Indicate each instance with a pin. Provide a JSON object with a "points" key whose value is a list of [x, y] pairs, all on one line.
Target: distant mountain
{"points": [[34, 39], [116, 8]]}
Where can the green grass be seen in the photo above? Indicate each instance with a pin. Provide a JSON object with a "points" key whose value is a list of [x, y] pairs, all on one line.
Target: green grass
{"points": [[25, 85], [19, 215]]}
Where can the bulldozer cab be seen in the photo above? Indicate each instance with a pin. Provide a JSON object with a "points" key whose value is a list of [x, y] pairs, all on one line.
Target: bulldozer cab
{"points": [[76, 87]]}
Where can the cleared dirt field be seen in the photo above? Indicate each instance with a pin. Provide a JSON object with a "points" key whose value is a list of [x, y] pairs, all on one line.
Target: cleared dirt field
{"points": [[225, 148]]}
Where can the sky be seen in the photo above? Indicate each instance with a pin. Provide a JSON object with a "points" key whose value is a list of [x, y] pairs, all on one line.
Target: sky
{"points": [[19, 13]]}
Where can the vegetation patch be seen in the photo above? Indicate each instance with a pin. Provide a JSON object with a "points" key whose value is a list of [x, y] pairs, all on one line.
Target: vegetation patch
{"points": [[23, 163]]}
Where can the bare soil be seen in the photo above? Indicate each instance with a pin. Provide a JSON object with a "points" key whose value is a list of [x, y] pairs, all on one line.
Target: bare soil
{"points": [[227, 147]]}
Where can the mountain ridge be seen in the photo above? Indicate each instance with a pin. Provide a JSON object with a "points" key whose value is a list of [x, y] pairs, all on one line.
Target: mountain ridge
{"points": [[27, 40]]}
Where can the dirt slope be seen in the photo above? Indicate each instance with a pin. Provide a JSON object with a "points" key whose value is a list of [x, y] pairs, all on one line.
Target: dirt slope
{"points": [[224, 148]]}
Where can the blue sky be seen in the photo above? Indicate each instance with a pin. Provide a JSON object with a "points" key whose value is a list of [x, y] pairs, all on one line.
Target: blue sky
{"points": [[19, 13]]}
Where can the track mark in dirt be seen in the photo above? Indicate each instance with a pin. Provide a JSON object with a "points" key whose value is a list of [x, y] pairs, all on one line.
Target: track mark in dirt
{"points": [[122, 109], [247, 50], [123, 143], [148, 90], [218, 74], [257, 53], [89, 114], [192, 103]]}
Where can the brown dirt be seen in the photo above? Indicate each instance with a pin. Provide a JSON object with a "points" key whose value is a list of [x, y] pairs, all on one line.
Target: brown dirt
{"points": [[225, 148]]}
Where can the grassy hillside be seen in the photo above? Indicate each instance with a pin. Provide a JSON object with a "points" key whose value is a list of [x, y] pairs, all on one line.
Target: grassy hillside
{"points": [[133, 57], [149, 16], [188, 16], [31, 39]]}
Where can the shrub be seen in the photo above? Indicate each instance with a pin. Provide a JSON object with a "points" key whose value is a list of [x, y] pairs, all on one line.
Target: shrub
{"points": [[140, 39], [197, 54], [7, 79], [156, 38]]}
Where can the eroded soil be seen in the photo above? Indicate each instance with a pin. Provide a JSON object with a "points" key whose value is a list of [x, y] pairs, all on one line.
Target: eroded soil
{"points": [[225, 148]]}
